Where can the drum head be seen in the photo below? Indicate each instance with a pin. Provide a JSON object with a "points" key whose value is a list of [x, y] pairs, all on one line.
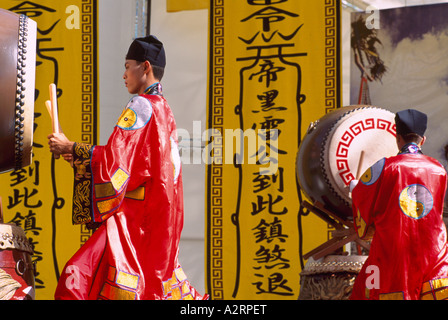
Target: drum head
{"points": [[17, 84], [357, 140], [338, 148]]}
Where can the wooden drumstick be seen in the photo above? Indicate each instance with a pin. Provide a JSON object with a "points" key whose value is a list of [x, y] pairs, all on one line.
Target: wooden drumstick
{"points": [[50, 112], [53, 110], [48, 105], [360, 163]]}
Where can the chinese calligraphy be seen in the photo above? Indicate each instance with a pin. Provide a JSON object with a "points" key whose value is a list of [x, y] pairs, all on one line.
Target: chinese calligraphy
{"points": [[267, 75]]}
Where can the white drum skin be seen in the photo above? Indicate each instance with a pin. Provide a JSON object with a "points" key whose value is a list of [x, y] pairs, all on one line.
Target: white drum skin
{"points": [[330, 153]]}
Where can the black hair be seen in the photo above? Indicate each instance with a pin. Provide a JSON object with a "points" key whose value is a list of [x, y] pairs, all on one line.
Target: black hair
{"points": [[157, 71], [412, 137]]}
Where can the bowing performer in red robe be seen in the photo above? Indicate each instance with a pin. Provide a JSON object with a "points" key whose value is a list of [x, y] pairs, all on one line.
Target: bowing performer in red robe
{"points": [[131, 191], [400, 201]]}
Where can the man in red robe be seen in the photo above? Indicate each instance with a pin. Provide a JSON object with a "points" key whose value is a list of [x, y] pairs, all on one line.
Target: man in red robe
{"points": [[400, 200], [131, 191]]}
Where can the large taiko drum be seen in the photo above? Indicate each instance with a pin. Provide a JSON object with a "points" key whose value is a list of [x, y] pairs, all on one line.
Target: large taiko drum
{"points": [[338, 148], [17, 84], [17, 270]]}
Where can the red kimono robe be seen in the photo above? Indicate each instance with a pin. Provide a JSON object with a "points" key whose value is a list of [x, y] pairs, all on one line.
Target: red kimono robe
{"points": [[132, 187], [402, 198]]}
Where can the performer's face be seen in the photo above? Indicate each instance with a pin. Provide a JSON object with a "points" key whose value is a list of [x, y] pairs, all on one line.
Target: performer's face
{"points": [[134, 76]]}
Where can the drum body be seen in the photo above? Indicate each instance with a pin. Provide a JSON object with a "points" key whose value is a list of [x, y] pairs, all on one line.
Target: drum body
{"points": [[330, 278], [330, 153], [17, 270], [17, 84]]}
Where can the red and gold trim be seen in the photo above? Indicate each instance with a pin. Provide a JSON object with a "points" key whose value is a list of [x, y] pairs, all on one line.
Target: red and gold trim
{"points": [[82, 191]]}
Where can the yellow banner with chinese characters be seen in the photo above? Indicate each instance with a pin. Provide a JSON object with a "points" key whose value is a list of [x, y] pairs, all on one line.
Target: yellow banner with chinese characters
{"points": [[38, 198], [274, 69]]}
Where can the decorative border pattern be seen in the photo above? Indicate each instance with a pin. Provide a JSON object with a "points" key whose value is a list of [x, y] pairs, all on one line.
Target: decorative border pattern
{"points": [[89, 83], [82, 190], [216, 121], [347, 138], [89, 72], [332, 55]]}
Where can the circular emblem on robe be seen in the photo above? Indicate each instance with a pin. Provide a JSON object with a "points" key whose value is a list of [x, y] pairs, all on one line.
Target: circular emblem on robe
{"points": [[373, 173], [416, 201], [136, 114]]}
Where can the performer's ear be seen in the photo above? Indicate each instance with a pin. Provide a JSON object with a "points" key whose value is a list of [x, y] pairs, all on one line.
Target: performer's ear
{"points": [[423, 141], [147, 67]]}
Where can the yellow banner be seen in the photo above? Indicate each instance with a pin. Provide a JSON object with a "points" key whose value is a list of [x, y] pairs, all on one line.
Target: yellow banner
{"points": [[274, 69], [179, 5], [39, 197]]}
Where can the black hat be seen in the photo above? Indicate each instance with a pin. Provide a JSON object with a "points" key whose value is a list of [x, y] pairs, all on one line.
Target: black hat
{"points": [[147, 48], [411, 121]]}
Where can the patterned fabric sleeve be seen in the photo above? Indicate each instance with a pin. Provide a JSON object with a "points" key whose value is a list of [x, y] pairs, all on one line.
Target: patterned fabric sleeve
{"points": [[82, 192]]}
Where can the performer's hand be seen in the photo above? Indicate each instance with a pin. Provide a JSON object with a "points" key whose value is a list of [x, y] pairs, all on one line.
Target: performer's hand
{"points": [[59, 144]]}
